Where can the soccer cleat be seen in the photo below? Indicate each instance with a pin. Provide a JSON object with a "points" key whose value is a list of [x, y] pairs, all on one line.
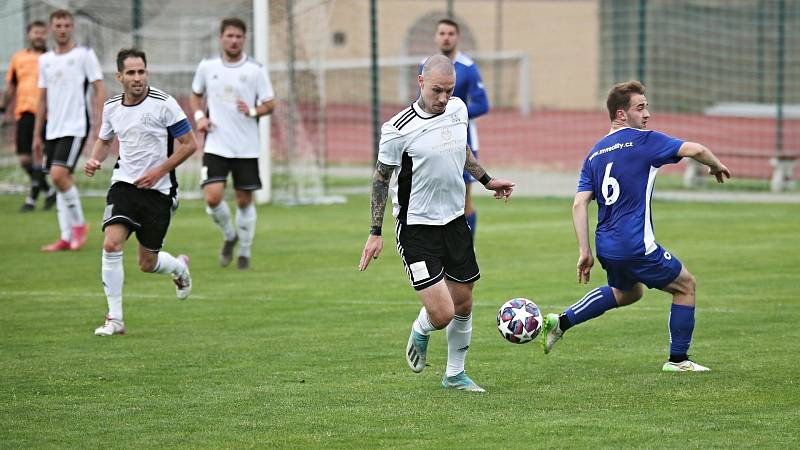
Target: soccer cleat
{"points": [[183, 283], [57, 246], [461, 382], [78, 240], [226, 254], [28, 206], [684, 366], [417, 351], [110, 328], [551, 331], [242, 263], [50, 200]]}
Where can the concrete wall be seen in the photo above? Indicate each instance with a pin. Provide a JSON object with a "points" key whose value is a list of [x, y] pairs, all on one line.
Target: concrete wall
{"points": [[559, 37]]}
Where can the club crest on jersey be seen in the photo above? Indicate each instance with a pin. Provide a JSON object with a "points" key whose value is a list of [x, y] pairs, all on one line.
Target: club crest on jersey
{"points": [[71, 62], [147, 119], [447, 134], [243, 78]]}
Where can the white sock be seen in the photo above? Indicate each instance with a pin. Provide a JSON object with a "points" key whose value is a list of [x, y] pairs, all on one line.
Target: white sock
{"points": [[73, 203], [221, 214], [246, 228], [113, 277], [169, 265], [459, 335], [422, 324], [64, 223]]}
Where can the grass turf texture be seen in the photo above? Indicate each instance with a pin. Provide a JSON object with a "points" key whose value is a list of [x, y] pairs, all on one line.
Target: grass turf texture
{"points": [[304, 351]]}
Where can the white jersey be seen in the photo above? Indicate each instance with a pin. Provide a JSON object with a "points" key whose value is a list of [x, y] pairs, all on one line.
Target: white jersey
{"points": [[430, 152], [232, 134], [145, 131], [66, 77]]}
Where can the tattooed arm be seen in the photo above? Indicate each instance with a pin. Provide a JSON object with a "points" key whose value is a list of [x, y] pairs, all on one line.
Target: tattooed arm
{"points": [[501, 188], [380, 192]]}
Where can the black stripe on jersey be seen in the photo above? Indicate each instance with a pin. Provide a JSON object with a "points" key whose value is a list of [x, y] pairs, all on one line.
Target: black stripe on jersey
{"points": [[113, 99], [403, 116], [157, 93], [408, 119], [157, 97], [173, 179], [404, 186]]}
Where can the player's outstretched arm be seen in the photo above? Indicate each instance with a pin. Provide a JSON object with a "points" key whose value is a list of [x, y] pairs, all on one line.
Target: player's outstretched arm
{"points": [[580, 220], [99, 154], [201, 122], [8, 94], [502, 188], [380, 192], [38, 127], [703, 155], [99, 88], [255, 112]]}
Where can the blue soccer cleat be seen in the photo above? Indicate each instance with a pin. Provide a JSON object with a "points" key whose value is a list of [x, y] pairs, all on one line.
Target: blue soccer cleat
{"points": [[461, 382]]}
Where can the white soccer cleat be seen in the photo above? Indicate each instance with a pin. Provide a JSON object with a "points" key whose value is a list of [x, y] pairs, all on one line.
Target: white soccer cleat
{"points": [[684, 366], [110, 328], [183, 283], [551, 331]]}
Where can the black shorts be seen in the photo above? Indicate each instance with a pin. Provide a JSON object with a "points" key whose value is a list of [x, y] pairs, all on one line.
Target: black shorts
{"points": [[245, 171], [432, 252], [25, 127], [63, 151], [144, 211]]}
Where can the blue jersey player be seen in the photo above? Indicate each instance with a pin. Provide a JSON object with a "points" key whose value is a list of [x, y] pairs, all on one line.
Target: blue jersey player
{"points": [[469, 88], [620, 172]]}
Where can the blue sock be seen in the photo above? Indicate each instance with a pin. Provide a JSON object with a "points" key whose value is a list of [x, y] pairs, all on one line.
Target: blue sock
{"points": [[681, 326], [593, 304], [472, 221]]}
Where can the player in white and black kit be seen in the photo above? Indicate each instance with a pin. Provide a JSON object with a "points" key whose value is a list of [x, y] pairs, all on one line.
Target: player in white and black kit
{"points": [[64, 75], [143, 193], [426, 144], [237, 91]]}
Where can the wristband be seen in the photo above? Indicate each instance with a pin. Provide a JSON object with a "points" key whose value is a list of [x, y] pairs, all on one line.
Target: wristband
{"points": [[485, 179], [199, 114], [2, 109], [252, 112], [375, 231]]}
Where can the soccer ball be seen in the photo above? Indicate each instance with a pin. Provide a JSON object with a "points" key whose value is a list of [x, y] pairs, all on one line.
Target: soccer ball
{"points": [[519, 320]]}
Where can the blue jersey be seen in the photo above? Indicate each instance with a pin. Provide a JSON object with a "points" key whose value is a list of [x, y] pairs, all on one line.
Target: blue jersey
{"points": [[620, 171], [469, 88]]}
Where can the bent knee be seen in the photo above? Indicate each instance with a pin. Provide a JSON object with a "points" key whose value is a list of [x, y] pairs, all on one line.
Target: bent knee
{"points": [[441, 319], [147, 265]]}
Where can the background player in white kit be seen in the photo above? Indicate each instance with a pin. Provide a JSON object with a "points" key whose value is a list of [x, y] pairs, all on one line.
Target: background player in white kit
{"points": [[143, 193], [238, 92], [63, 74], [427, 143]]}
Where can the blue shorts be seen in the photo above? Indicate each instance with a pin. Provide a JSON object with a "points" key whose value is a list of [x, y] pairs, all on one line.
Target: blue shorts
{"points": [[467, 177], [656, 270]]}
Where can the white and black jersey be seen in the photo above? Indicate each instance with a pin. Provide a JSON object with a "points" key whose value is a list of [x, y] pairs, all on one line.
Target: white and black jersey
{"points": [[146, 132], [66, 76], [232, 134], [430, 152]]}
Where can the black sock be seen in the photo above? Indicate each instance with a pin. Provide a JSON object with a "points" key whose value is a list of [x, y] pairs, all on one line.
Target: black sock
{"points": [[678, 358], [35, 173], [43, 185], [564, 323]]}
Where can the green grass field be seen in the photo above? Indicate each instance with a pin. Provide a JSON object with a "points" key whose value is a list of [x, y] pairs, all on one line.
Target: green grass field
{"points": [[304, 351]]}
